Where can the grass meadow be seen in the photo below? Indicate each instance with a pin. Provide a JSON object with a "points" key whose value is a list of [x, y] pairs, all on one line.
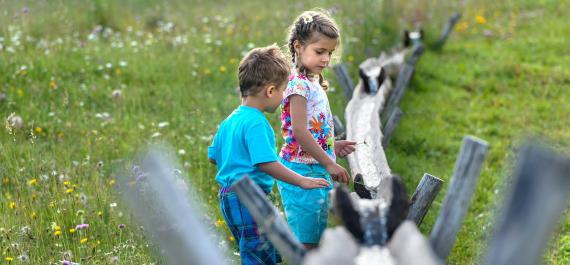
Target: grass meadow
{"points": [[85, 85]]}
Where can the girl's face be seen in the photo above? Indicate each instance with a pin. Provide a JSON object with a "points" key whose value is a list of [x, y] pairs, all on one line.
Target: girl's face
{"points": [[316, 56]]}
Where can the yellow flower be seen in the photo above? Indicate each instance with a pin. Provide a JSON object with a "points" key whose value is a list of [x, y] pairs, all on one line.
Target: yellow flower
{"points": [[461, 26], [32, 181], [83, 240], [69, 190], [20, 92], [57, 233], [219, 222], [8, 259], [112, 182], [51, 204], [232, 238], [33, 215], [39, 130], [480, 19], [52, 84], [57, 227], [66, 183], [12, 205], [222, 69], [350, 58], [72, 230], [99, 213]]}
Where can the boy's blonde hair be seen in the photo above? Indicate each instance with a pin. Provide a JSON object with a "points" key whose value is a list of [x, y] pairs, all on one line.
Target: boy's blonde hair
{"points": [[304, 29], [261, 67]]}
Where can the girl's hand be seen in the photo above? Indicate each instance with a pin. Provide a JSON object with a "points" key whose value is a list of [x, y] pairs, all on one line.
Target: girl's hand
{"points": [[338, 173], [343, 148], [313, 183]]}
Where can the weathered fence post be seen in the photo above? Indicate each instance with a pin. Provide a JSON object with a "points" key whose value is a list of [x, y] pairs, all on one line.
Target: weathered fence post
{"points": [[537, 199], [423, 197], [344, 79], [457, 200], [402, 82], [391, 125], [269, 220], [339, 130], [447, 30]]}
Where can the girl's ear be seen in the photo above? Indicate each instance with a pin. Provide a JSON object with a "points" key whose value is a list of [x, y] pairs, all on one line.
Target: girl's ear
{"points": [[297, 45]]}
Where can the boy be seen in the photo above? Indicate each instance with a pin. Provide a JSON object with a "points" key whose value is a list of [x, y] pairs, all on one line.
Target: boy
{"points": [[245, 145]]}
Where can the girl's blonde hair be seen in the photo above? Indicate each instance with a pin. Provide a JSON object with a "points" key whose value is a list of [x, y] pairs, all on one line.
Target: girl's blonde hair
{"points": [[304, 29]]}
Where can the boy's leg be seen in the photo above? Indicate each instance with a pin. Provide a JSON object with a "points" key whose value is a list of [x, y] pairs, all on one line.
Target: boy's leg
{"points": [[254, 248]]}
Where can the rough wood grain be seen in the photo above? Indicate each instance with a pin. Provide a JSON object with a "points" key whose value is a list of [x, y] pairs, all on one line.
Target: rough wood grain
{"points": [[425, 194], [458, 197]]}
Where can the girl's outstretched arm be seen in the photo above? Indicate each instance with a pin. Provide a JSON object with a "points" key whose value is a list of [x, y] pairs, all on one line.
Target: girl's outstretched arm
{"points": [[298, 110], [280, 172]]}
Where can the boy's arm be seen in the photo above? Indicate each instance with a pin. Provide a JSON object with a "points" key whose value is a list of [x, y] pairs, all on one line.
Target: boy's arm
{"points": [[280, 172]]}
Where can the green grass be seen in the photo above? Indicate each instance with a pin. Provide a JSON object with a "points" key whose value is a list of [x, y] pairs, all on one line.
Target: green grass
{"points": [[500, 88]]}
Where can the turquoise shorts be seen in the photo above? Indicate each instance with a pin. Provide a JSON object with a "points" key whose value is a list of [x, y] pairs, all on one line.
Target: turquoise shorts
{"points": [[306, 210]]}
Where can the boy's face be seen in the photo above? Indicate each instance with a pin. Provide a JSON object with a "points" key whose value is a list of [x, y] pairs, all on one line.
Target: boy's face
{"points": [[275, 96]]}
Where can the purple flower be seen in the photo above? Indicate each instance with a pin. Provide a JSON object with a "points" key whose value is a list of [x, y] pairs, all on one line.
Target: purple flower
{"points": [[121, 226], [66, 262], [81, 226]]}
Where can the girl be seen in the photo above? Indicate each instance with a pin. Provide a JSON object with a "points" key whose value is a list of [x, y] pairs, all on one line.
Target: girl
{"points": [[307, 125]]}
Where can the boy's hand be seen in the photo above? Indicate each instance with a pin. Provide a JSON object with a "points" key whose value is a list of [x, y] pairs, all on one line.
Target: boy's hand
{"points": [[343, 148], [313, 183], [338, 173]]}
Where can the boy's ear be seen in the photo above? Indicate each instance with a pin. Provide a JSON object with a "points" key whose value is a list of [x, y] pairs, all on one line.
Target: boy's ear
{"points": [[270, 90]]}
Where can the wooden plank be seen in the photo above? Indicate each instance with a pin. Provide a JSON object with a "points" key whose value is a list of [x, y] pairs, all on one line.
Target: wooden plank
{"points": [[425, 194], [537, 199], [363, 126], [269, 220], [458, 198], [339, 130], [402, 82], [409, 247], [447, 29], [344, 79], [160, 200], [391, 125]]}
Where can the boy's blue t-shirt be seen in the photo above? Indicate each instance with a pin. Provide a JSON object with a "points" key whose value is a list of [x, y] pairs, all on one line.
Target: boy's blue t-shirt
{"points": [[244, 139]]}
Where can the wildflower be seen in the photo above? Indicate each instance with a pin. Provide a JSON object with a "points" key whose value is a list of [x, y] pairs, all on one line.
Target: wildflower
{"points": [[112, 182], [8, 258], [66, 183], [12, 205], [71, 230], [39, 130], [32, 182], [33, 215], [52, 84], [99, 213], [219, 222], [57, 233], [14, 122], [121, 226], [222, 69], [480, 19], [117, 94], [181, 152], [83, 240], [82, 198], [70, 190], [113, 205], [23, 258], [81, 226]]}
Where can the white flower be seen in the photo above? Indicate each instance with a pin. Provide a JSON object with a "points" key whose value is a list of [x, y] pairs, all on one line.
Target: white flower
{"points": [[163, 124], [113, 205]]}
